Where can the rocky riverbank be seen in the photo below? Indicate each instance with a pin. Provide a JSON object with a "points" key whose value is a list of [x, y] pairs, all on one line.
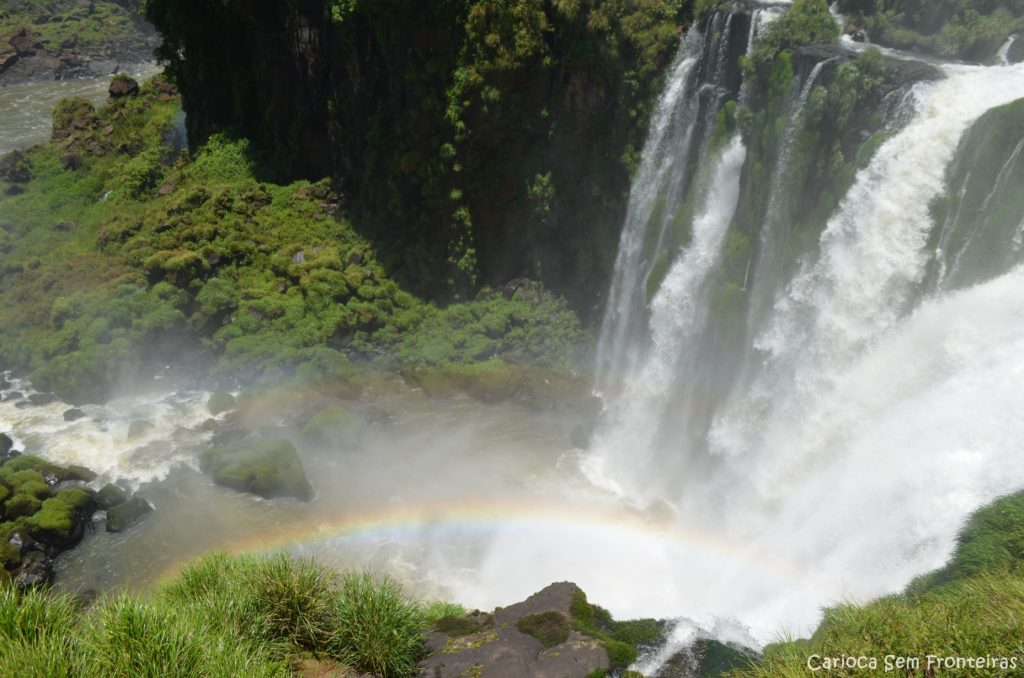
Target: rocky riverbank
{"points": [[69, 40]]}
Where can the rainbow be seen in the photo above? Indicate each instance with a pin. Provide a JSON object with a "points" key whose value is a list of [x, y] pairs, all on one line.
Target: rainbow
{"points": [[312, 535]]}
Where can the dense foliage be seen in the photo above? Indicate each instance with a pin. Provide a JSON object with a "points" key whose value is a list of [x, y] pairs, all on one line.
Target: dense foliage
{"points": [[122, 250], [475, 140], [56, 24], [966, 29]]}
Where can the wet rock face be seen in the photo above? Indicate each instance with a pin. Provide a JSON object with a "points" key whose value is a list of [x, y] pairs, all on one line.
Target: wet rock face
{"points": [[493, 645], [124, 515]]}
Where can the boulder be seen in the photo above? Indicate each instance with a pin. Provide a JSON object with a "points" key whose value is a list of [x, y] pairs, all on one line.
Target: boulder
{"points": [[109, 496], [328, 424], [14, 168], [74, 414], [34, 574], [1015, 54], [126, 514], [267, 467], [5, 444], [123, 86], [40, 399], [220, 401], [58, 523]]}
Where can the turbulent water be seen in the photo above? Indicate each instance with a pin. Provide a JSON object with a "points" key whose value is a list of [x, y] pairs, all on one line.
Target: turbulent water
{"points": [[873, 411]]}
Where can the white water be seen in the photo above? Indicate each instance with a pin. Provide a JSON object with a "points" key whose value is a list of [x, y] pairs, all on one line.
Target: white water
{"points": [[875, 422], [100, 442], [1004, 52], [671, 128]]}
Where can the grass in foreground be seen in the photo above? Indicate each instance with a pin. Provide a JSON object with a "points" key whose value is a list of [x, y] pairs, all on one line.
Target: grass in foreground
{"points": [[222, 616]]}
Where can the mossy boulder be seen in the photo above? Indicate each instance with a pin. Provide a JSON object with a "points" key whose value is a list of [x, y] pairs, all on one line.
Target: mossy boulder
{"points": [[267, 467], [220, 401], [434, 381], [125, 514], [109, 496], [81, 499], [491, 381], [48, 472], [327, 424], [57, 523]]}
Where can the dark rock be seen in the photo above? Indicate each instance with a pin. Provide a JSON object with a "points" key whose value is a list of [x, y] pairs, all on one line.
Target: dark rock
{"points": [[34, 574], [80, 473], [898, 72], [493, 645], [71, 162], [859, 36], [220, 401], [13, 190], [14, 168], [65, 226], [268, 467], [109, 496], [23, 404], [124, 515], [23, 43], [5, 444], [74, 414], [123, 86], [14, 395], [707, 658], [1015, 55], [40, 399], [376, 415]]}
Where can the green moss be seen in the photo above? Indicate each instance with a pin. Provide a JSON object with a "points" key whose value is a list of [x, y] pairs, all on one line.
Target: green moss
{"points": [[268, 467], [220, 401], [77, 498], [327, 422], [550, 628], [54, 521]]}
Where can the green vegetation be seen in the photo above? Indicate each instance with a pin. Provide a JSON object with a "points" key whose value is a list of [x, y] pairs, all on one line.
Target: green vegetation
{"points": [[221, 616], [56, 23], [122, 250], [807, 22], [450, 198], [972, 607], [949, 28], [550, 628], [622, 639]]}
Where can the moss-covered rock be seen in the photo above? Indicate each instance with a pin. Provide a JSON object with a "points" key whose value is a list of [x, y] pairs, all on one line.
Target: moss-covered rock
{"points": [[109, 496], [328, 424], [268, 467], [220, 401], [127, 513], [490, 381], [57, 523]]}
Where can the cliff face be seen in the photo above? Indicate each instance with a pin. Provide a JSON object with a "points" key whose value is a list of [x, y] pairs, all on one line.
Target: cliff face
{"points": [[475, 141]]}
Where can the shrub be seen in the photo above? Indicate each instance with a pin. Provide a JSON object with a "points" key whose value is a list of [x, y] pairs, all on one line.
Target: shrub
{"points": [[550, 628], [379, 628]]}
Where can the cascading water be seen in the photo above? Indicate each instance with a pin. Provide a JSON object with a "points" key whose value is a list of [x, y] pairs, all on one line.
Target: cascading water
{"points": [[883, 407]]}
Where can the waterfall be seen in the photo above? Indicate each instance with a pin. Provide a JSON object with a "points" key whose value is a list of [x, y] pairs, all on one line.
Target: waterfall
{"points": [[883, 407]]}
